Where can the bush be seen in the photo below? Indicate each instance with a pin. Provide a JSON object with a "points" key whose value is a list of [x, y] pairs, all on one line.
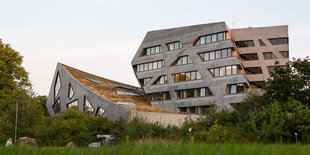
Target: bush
{"points": [[75, 126]]}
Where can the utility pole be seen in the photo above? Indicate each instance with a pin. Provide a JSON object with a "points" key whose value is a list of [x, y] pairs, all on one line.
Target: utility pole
{"points": [[161, 104], [16, 119]]}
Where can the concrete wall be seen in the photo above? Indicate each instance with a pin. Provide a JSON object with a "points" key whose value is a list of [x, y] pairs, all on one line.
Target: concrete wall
{"points": [[164, 118]]}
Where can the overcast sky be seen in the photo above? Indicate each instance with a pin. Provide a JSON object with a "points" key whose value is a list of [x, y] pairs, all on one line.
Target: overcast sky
{"points": [[102, 36]]}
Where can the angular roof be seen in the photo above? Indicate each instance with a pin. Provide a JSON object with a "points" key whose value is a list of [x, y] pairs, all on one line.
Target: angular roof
{"points": [[114, 91]]}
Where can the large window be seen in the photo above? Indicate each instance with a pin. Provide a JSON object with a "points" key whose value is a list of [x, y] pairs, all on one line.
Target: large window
{"points": [[57, 106], [258, 84], [247, 43], [144, 81], [182, 60], [187, 76], [195, 109], [224, 71], [100, 111], [161, 80], [212, 38], [246, 57], [73, 104], [196, 92], [284, 54], [269, 55], [278, 41], [272, 68], [159, 96], [217, 54], [174, 46], [235, 88], [88, 108], [150, 66], [253, 70], [57, 86], [151, 50], [70, 92]]}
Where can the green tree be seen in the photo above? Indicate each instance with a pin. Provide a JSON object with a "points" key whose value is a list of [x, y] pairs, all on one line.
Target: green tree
{"points": [[280, 121], [291, 81], [41, 100], [13, 76], [30, 118]]}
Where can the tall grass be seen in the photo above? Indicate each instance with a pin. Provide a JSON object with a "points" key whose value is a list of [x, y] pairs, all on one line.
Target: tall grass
{"points": [[169, 148]]}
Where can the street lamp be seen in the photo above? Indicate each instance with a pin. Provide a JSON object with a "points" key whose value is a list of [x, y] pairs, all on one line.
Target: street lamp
{"points": [[161, 104]]}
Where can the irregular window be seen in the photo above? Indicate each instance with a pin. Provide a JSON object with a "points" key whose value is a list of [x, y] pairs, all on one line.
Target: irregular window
{"points": [[284, 54], [174, 46], [126, 93], [57, 86], [100, 111], [195, 109], [258, 84], [247, 43], [187, 76], [88, 108], [211, 38], [144, 81], [161, 80], [272, 68], [92, 80], [151, 50], [126, 103], [150, 66], [246, 57], [56, 106], [224, 71], [278, 41], [218, 54], [159, 96], [235, 88], [196, 92], [269, 55], [73, 104], [253, 70], [71, 92], [182, 60], [261, 42]]}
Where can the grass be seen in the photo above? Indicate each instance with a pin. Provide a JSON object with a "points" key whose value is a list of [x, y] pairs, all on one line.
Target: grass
{"points": [[169, 148]]}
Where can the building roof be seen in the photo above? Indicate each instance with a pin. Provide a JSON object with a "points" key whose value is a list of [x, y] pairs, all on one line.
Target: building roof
{"points": [[118, 93]]}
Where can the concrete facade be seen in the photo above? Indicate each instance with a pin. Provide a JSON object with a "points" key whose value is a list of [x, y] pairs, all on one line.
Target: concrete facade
{"points": [[85, 85], [164, 118], [217, 85], [112, 110]]}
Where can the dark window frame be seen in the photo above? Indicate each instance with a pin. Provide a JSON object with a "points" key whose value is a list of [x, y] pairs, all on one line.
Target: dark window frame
{"points": [[245, 43]]}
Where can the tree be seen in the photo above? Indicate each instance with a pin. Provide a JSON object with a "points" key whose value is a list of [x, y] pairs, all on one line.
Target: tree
{"points": [[291, 81], [30, 118], [13, 76], [280, 121]]}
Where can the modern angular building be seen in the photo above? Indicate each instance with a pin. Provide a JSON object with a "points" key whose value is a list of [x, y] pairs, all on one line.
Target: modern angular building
{"points": [[186, 69], [73, 88]]}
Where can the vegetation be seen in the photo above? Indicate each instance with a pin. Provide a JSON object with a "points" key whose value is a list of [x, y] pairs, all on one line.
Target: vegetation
{"points": [[169, 148], [290, 81]]}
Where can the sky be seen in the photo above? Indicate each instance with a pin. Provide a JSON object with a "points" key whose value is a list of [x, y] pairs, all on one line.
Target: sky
{"points": [[102, 36]]}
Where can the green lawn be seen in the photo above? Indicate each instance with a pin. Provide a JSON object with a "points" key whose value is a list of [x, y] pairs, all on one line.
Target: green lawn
{"points": [[170, 148]]}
